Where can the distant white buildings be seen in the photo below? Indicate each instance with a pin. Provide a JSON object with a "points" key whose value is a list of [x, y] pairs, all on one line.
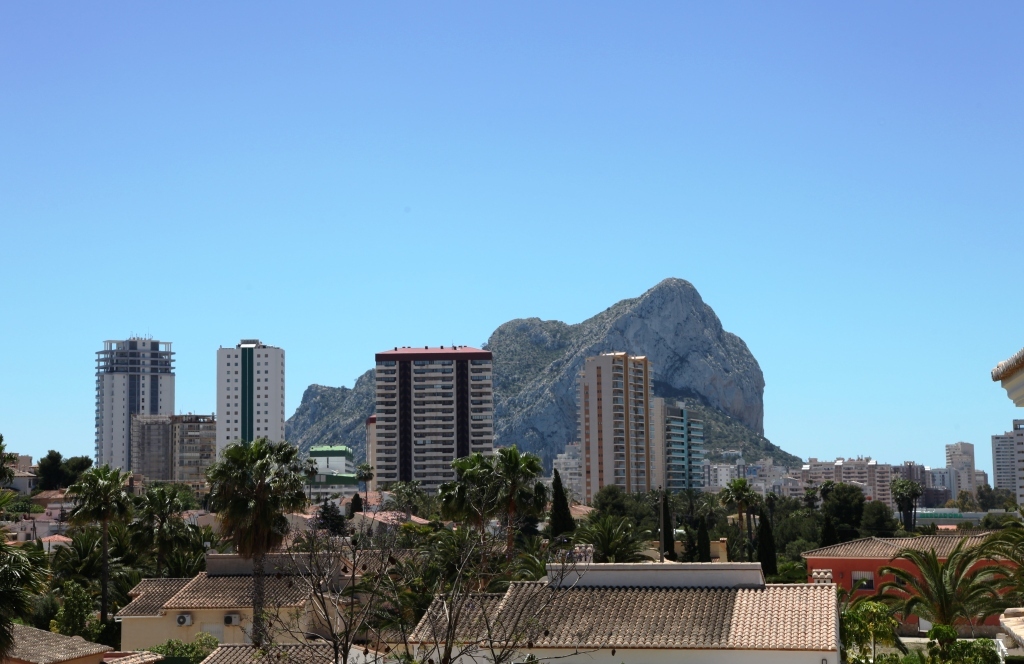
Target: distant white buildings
{"points": [[134, 376], [960, 458], [569, 465], [335, 473], [873, 478], [250, 392]]}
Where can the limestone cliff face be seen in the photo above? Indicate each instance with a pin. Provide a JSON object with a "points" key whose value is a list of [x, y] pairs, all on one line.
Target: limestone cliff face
{"points": [[537, 362]]}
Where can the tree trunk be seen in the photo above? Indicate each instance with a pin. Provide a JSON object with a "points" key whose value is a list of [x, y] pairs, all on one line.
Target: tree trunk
{"points": [[159, 550], [104, 581], [259, 636], [510, 537]]}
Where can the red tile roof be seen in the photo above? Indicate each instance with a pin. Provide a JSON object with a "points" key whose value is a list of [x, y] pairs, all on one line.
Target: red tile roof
{"points": [[439, 353], [888, 547]]}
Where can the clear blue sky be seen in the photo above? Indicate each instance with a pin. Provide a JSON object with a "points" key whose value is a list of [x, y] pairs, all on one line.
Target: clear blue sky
{"points": [[843, 183]]}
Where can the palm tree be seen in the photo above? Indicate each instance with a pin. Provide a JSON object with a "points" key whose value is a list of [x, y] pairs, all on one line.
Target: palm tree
{"points": [[309, 469], [739, 493], [20, 580], [613, 539], [252, 488], [515, 474], [473, 495], [364, 473], [961, 588], [159, 512], [100, 497], [81, 561], [905, 494]]}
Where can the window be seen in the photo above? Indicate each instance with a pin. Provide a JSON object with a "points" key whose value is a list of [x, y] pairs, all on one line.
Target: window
{"points": [[867, 577]]}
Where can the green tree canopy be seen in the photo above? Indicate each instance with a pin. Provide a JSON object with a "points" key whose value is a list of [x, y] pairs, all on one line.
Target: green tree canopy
{"points": [[845, 504], [877, 520]]}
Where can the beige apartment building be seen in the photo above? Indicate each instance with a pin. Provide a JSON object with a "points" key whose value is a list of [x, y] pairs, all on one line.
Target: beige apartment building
{"points": [[614, 395], [434, 405], [371, 449], [151, 447], [872, 477], [194, 449]]}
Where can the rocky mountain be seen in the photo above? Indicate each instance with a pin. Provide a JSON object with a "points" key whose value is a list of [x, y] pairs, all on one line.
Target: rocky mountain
{"points": [[536, 364]]}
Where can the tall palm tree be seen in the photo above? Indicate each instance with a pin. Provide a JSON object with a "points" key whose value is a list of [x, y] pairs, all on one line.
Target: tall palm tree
{"points": [[961, 588], [100, 497], [905, 494], [20, 580], [364, 473], [515, 474], [159, 513], [81, 561], [252, 488], [309, 469], [739, 493]]}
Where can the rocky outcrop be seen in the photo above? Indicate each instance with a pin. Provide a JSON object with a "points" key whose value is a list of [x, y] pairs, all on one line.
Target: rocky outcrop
{"points": [[537, 362]]}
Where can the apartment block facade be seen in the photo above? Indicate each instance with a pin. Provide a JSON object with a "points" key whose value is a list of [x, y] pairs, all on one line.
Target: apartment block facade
{"points": [[614, 395], [1008, 460], [677, 451], [960, 457], [134, 376], [335, 473], [434, 405], [250, 392], [193, 449], [872, 477], [151, 447]]}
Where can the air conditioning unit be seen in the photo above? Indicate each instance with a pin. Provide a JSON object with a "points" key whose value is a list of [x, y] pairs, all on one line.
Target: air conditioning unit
{"points": [[232, 619], [184, 619]]}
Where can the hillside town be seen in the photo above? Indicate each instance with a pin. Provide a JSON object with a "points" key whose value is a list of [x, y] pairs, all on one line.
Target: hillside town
{"points": [[211, 538]]}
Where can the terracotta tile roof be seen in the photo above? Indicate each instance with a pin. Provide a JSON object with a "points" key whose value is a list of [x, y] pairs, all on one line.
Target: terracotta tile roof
{"points": [[234, 592], [58, 538], [775, 617], [1008, 368], [40, 647], [150, 596], [320, 653], [580, 511], [888, 547]]}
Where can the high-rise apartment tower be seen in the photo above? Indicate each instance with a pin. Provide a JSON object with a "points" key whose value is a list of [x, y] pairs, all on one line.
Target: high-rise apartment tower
{"points": [[434, 405], [614, 395], [1008, 461], [960, 457], [193, 449], [133, 377], [678, 447], [250, 393]]}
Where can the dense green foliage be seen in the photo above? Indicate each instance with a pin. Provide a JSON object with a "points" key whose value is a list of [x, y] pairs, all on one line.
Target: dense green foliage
{"points": [[56, 472], [194, 652]]}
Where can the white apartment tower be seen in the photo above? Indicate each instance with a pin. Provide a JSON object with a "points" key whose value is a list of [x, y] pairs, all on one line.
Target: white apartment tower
{"points": [[250, 393], [960, 457], [677, 454], [434, 405], [1008, 461], [133, 377], [614, 396]]}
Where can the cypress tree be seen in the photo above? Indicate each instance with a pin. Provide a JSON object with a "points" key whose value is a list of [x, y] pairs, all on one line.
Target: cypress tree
{"points": [[667, 530], [357, 503], [703, 542], [829, 535], [561, 518], [766, 546]]}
